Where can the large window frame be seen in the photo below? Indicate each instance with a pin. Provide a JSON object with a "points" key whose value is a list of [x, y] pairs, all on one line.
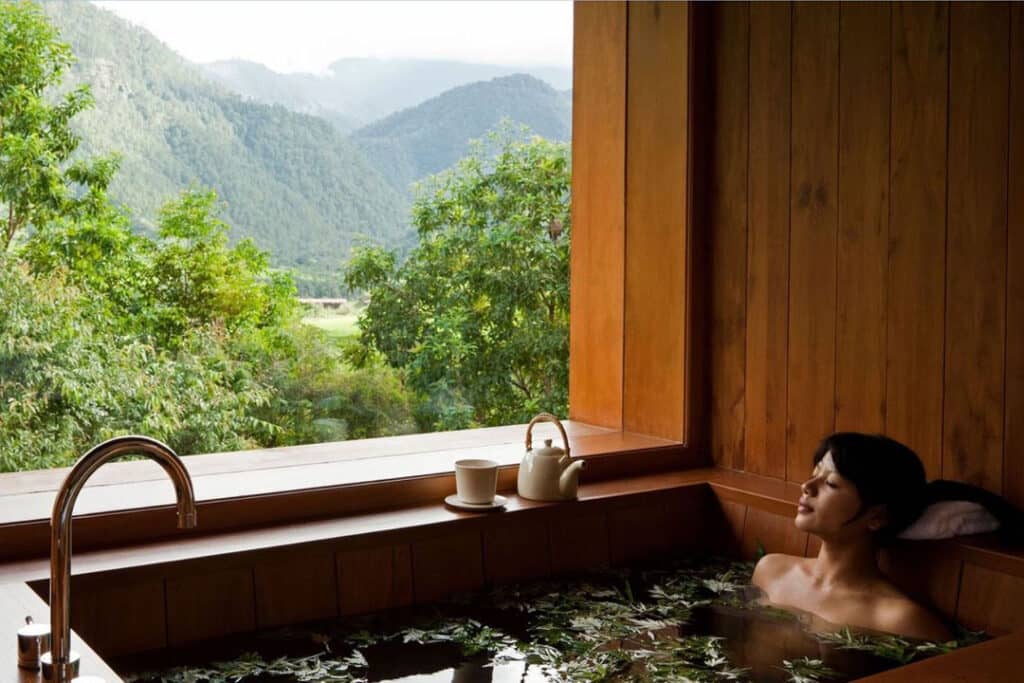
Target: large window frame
{"points": [[635, 384]]}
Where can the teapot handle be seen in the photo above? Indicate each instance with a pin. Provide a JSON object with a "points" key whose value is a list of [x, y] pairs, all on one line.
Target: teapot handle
{"points": [[546, 417]]}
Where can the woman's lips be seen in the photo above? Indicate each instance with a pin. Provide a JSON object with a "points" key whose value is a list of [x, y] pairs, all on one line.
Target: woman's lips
{"points": [[803, 508]]}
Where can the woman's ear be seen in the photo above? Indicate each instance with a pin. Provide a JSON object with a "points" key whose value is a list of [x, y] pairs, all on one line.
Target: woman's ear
{"points": [[878, 517]]}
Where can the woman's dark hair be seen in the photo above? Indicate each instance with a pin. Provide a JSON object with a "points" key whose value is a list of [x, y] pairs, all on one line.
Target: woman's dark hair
{"points": [[888, 473], [884, 471]]}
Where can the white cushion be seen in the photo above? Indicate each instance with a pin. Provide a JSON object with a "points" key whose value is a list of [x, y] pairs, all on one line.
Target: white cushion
{"points": [[951, 518]]}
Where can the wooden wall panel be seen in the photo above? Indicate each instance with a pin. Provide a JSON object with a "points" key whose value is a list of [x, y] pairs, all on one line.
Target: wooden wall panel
{"points": [[861, 263], [598, 214], [295, 589], [728, 537], [976, 234], [990, 600], [656, 210], [119, 618], [917, 237], [375, 578], [1013, 446], [729, 35], [447, 564], [516, 551], [767, 304], [579, 543], [814, 189], [204, 606]]}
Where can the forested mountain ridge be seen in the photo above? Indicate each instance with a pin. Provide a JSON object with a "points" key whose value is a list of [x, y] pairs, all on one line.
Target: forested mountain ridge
{"points": [[416, 142], [290, 181], [356, 92]]}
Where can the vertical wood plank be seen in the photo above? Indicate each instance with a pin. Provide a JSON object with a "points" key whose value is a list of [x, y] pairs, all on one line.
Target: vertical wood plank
{"points": [[447, 564], [728, 225], [917, 242], [812, 285], [211, 605], [597, 268], [768, 239], [578, 543], [118, 617], [373, 579], [729, 526], [976, 233], [1013, 448], [656, 225], [990, 600], [294, 590], [516, 551], [862, 265]]}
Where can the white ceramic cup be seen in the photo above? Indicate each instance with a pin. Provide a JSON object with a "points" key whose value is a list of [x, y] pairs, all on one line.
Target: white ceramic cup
{"points": [[476, 481]]}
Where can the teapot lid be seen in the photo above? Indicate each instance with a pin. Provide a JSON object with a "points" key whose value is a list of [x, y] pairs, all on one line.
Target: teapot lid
{"points": [[548, 449]]}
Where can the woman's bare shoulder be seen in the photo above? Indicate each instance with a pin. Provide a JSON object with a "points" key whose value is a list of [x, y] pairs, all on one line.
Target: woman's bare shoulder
{"points": [[773, 566], [900, 615]]}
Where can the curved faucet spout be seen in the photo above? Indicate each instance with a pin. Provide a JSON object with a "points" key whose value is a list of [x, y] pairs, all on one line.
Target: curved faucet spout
{"points": [[63, 668]]}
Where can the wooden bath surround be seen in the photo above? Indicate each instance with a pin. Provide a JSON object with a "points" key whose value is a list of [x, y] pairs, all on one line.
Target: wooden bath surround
{"points": [[149, 597]]}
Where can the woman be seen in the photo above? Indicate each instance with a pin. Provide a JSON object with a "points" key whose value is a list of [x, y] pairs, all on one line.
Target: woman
{"points": [[862, 492]]}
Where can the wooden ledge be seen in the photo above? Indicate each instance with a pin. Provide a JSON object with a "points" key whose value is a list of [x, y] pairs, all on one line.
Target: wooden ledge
{"points": [[132, 503]]}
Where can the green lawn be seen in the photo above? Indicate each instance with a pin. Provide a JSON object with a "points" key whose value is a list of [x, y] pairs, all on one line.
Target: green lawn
{"points": [[336, 326]]}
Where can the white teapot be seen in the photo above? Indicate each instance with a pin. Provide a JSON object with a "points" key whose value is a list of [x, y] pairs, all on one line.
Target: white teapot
{"points": [[548, 473]]}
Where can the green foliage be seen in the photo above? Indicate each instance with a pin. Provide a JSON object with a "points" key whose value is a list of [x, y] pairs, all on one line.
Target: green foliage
{"points": [[477, 315], [67, 383], [37, 181]]}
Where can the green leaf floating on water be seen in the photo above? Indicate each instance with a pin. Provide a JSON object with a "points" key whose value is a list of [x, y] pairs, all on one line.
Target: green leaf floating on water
{"points": [[594, 630]]}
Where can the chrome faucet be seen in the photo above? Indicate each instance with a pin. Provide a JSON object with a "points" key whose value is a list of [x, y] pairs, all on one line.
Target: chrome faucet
{"points": [[60, 665]]}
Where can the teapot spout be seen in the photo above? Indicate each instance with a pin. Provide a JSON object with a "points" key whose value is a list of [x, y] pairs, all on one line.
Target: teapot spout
{"points": [[569, 480]]}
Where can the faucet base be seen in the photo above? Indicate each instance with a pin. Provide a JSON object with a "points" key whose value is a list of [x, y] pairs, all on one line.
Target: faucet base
{"points": [[69, 669]]}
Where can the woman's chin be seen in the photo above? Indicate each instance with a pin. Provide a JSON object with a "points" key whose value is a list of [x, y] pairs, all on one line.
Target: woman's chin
{"points": [[803, 522]]}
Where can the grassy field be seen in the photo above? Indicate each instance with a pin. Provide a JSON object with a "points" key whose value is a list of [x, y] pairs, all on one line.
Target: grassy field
{"points": [[337, 326]]}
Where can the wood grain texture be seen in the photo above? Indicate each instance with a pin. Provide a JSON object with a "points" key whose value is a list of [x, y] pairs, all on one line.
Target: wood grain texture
{"points": [[597, 269], [447, 564], [729, 524], [374, 578], [772, 533], [915, 306], [730, 28], [300, 588], [976, 233], [638, 532], [656, 219], [862, 264], [516, 551], [205, 606], [812, 280], [990, 601], [578, 543], [119, 617], [1013, 445], [995, 661], [768, 195]]}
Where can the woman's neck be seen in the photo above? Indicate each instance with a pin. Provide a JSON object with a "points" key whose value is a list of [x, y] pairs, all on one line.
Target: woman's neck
{"points": [[845, 563]]}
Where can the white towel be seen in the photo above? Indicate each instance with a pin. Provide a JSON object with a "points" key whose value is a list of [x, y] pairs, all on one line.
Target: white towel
{"points": [[951, 518]]}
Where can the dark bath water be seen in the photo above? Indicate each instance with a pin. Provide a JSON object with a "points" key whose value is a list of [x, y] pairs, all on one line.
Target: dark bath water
{"points": [[647, 624]]}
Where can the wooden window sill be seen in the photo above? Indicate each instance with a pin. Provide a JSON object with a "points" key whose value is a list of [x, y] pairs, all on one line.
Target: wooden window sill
{"points": [[128, 503]]}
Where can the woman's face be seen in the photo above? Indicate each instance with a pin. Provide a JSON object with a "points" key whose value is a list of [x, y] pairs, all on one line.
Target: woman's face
{"points": [[828, 503]]}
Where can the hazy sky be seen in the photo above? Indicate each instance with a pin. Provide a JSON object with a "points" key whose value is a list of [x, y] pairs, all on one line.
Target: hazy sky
{"points": [[307, 36]]}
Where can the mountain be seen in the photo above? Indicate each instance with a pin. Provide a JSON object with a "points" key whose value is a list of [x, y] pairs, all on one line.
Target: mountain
{"points": [[290, 181], [357, 91], [422, 140]]}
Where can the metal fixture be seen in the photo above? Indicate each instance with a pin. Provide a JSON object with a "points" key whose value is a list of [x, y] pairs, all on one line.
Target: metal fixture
{"points": [[61, 664], [33, 641]]}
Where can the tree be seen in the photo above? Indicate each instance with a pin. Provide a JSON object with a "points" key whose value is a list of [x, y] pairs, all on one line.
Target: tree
{"points": [[37, 179], [478, 314]]}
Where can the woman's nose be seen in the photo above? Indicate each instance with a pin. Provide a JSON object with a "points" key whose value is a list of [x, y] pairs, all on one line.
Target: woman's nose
{"points": [[807, 487]]}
